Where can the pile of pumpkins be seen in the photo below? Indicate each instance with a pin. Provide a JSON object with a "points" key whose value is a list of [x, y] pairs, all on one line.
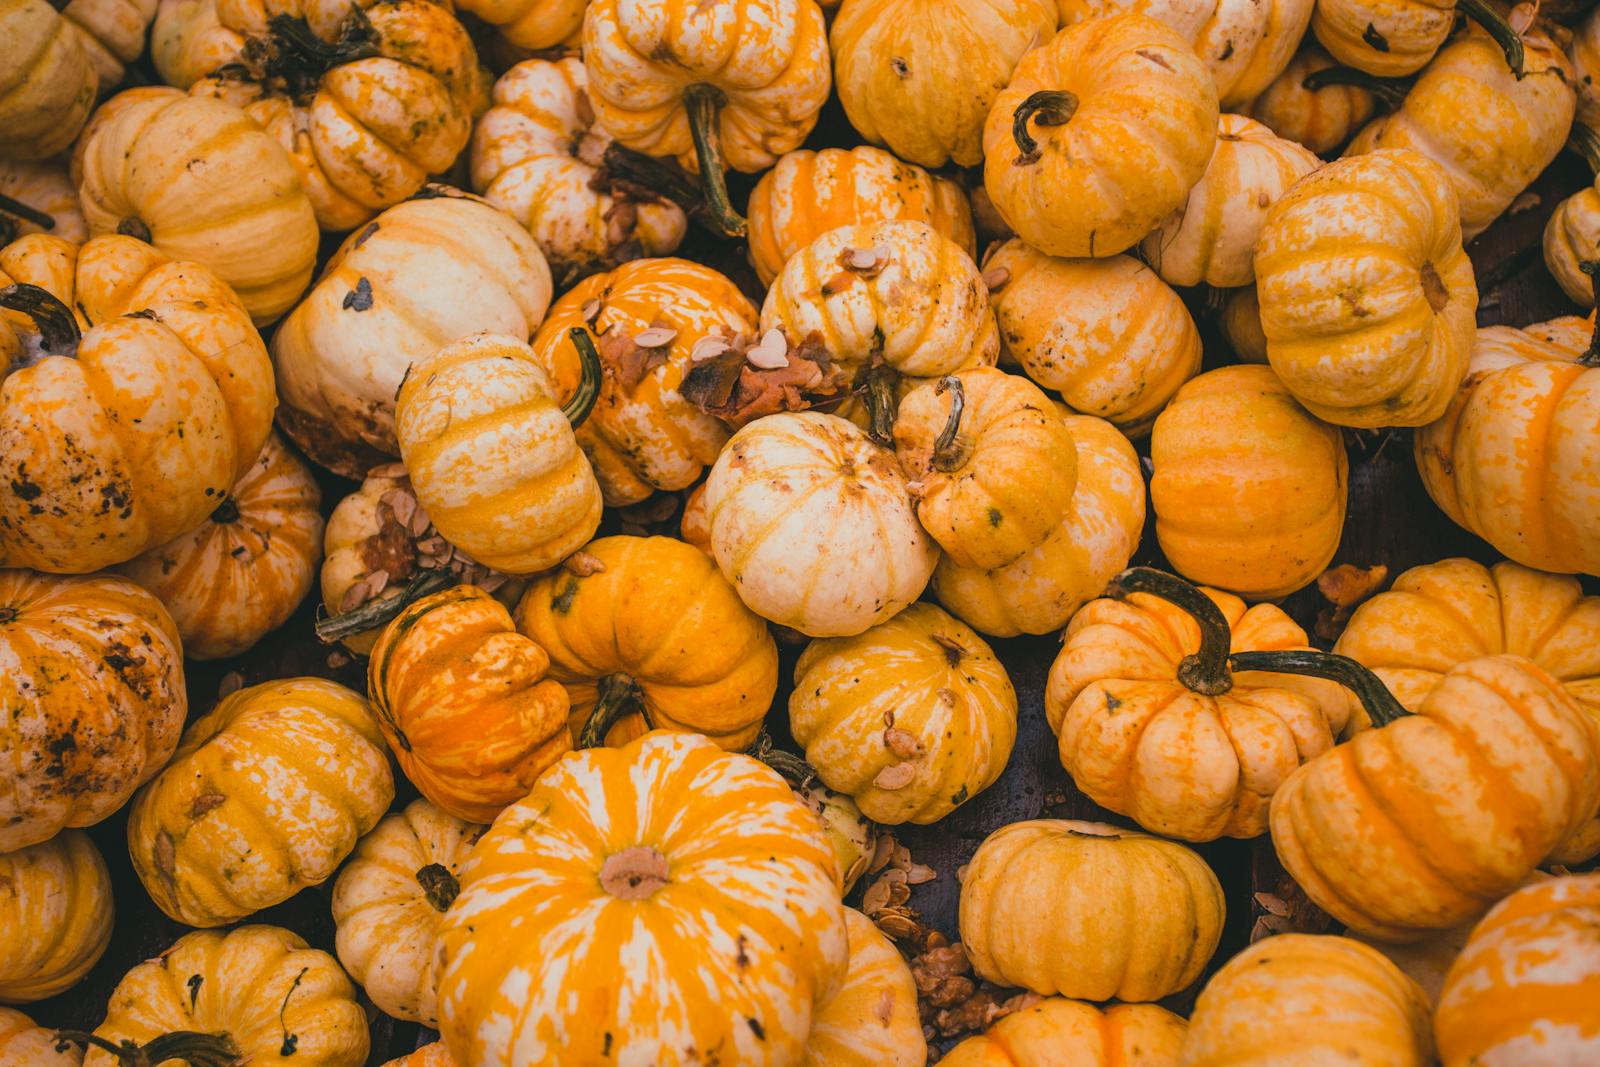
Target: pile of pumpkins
{"points": [[239, 240]]}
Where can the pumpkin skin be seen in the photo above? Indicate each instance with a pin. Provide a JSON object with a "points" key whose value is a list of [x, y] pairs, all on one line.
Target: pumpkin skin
{"points": [[209, 836], [44, 186], [532, 156], [1321, 119], [814, 525], [99, 699], [167, 401], [49, 84], [871, 1021], [1249, 490], [655, 611], [1389, 38], [1240, 322], [260, 985], [911, 718], [188, 41], [919, 76], [1333, 999], [388, 902], [242, 572], [651, 869], [1107, 334], [809, 193], [243, 212], [464, 703], [1039, 591], [1041, 1034], [1110, 913], [111, 33], [55, 917], [1212, 238], [1571, 236], [1140, 131], [493, 458], [24, 1044], [1523, 989], [434, 1055], [1380, 338], [532, 24]]}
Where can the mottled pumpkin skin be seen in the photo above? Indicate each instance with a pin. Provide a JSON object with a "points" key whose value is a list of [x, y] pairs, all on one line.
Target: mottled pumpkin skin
{"points": [[1401, 830], [1321, 119], [26, 1044], [648, 903], [1139, 139], [55, 918], [45, 186], [1249, 490], [464, 703], [1571, 236], [919, 76], [1036, 1036], [261, 985], [49, 85], [911, 718], [1389, 38], [1087, 910], [657, 611], [871, 1021], [1524, 988], [1333, 1000], [388, 903], [95, 701], [136, 435], [266, 795]]}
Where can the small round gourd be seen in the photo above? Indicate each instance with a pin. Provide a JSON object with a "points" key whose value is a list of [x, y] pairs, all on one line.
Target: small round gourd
{"points": [[1571, 238], [872, 1020], [55, 919], [49, 84], [1036, 1036], [1321, 118], [43, 188]]}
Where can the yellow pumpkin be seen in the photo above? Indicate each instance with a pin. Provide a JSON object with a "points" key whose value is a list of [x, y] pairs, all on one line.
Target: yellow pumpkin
{"points": [[1038, 592], [152, 371], [1571, 238], [871, 1020], [1087, 910], [644, 628], [493, 458], [240, 210], [1323, 117], [531, 24], [25, 1044], [1331, 1000], [389, 901], [1099, 135], [94, 701], [49, 84], [1240, 321], [55, 918], [188, 41], [911, 718], [1041, 1034], [1248, 489], [33, 193], [1107, 334], [1367, 301], [464, 703], [814, 525], [1392, 38], [266, 795], [667, 902], [919, 76]]}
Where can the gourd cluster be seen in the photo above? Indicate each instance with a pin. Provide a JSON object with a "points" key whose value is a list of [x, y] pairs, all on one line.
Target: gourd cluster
{"points": [[383, 297]]}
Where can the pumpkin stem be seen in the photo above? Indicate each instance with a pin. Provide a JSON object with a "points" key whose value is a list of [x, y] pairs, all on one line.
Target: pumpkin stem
{"points": [[619, 697], [1047, 107], [191, 1046], [226, 512], [1586, 143], [1382, 707], [133, 226], [582, 402], [703, 104], [1392, 91], [1495, 25], [950, 450], [376, 613], [58, 330], [1206, 671], [883, 407], [795, 770], [26, 213], [299, 58], [1591, 355], [660, 177], [439, 886]]}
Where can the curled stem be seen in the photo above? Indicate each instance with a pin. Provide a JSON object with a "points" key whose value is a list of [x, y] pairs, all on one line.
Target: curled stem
{"points": [[1390, 90], [190, 1046], [950, 451], [883, 407], [1047, 107], [795, 770], [1382, 707], [1205, 671], [58, 330], [703, 103], [28, 214], [619, 697], [1495, 25]]}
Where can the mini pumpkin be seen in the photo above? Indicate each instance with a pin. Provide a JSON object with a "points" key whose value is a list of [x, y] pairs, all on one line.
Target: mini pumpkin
{"points": [[26, 1044], [1040, 1034], [532, 24], [49, 83], [1397, 37], [188, 41], [38, 197], [1572, 238], [872, 1020], [1240, 321], [431, 1055], [1321, 117], [55, 918]]}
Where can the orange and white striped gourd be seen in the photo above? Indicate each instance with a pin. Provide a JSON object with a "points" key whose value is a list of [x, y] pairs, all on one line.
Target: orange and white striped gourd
{"points": [[871, 1021]]}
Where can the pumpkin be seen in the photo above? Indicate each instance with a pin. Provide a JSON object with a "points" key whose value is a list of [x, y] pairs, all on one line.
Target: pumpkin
{"points": [[814, 525], [1525, 986], [189, 41], [201, 181], [911, 718], [1086, 910], [1378, 338], [871, 1020], [492, 456], [1041, 1034], [55, 917], [1333, 999], [1572, 238], [809, 193], [919, 76], [1212, 238], [1514, 459], [535, 25], [1248, 489], [735, 86], [1038, 592], [993, 466], [158, 381], [26, 1044], [38, 197], [646, 629], [258, 993], [644, 434], [1392, 38], [434, 1054], [853, 836], [1583, 55], [694, 525], [94, 701], [49, 83], [388, 902], [1240, 321], [1107, 334], [1321, 117], [666, 902], [1099, 135], [111, 33], [464, 703], [266, 795], [247, 567]]}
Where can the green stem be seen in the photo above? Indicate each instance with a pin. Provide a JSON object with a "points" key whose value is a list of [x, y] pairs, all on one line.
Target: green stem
{"points": [[582, 402], [703, 103], [1586, 143], [950, 452], [192, 1047], [27, 213], [1382, 707], [1391, 91], [1047, 107], [795, 770], [1206, 671], [618, 698], [378, 612], [58, 330], [1495, 26], [883, 407], [1591, 355]]}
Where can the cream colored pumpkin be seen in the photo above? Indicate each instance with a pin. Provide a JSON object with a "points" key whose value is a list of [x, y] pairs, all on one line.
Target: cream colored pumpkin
{"points": [[44, 186], [188, 41], [871, 1020], [47, 84], [111, 33]]}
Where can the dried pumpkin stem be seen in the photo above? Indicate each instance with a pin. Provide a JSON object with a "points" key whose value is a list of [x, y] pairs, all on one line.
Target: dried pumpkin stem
{"points": [[26, 213], [1047, 107], [703, 103], [1392, 91], [582, 402], [377, 613], [659, 176], [1586, 143], [795, 770], [190, 1046], [619, 697], [950, 451], [1382, 707], [300, 58], [1205, 671], [58, 330], [1495, 25], [439, 886], [882, 404], [1591, 355]]}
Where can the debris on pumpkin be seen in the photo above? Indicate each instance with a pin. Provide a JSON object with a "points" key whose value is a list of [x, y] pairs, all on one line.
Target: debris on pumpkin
{"points": [[1287, 909], [1345, 587], [631, 357], [741, 379]]}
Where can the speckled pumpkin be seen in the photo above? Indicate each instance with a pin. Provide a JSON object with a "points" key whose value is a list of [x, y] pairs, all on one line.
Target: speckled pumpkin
{"points": [[1323, 118], [871, 1021], [1392, 38], [1041, 1034], [23, 1043], [43, 186], [55, 918], [49, 84]]}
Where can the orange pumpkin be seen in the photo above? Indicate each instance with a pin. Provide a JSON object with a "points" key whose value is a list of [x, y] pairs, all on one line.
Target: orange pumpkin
{"points": [[1396, 37], [871, 1020], [38, 197], [1322, 117], [26, 1045], [55, 919], [1041, 1034]]}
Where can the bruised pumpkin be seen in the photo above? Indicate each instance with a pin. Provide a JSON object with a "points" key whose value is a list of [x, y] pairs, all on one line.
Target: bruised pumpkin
{"points": [[55, 918]]}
